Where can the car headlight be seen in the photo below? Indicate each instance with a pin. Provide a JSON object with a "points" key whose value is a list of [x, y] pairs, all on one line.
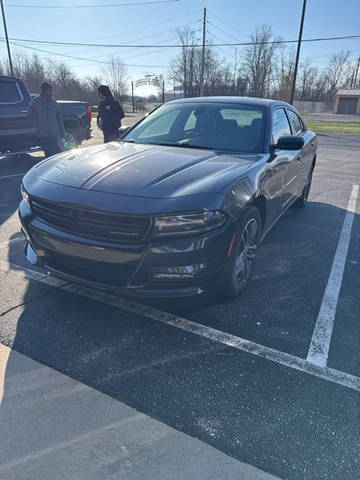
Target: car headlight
{"points": [[187, 224], [25, 195]]}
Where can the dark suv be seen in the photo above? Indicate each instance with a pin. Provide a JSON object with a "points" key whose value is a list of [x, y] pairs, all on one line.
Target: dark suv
{"points": [[17, 127]]}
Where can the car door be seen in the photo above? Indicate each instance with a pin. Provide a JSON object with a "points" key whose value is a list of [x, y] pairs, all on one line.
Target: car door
{"points": [[14, 108], [285, 160], [306, 155]]}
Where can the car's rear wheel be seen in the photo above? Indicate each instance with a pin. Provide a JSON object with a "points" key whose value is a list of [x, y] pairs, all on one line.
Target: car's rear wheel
{"points": [[239, 269]]}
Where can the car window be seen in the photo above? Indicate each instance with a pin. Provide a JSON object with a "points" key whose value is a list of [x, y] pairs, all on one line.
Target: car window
{"points": [[213, 125], [161, 125], [9, 92], [280, 125], [190, 122], [243, 118], [295, 123]]}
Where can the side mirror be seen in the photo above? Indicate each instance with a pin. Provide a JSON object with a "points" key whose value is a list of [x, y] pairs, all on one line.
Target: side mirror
{"points": [[123, 130], [289, 142]]}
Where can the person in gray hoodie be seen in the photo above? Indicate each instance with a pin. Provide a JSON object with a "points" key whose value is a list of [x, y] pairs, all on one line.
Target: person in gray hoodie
{"points": [[49, 124]]}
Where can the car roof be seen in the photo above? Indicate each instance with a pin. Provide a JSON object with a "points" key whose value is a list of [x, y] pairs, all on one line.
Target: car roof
{"points": [[229, 99], [7, 77]]}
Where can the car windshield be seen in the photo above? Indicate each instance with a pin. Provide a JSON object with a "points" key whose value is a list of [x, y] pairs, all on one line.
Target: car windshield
{"points": [[216, 126]]}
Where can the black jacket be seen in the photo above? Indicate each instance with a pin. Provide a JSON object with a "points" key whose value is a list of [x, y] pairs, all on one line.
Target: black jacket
{"points": [[109, 116]]}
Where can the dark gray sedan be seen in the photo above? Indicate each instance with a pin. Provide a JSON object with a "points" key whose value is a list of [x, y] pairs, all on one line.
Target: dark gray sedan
{"points": [[179, 206]]}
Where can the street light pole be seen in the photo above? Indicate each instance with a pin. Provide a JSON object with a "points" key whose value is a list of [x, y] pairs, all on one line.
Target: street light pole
{"points": [[6, 37], [298, 53]]}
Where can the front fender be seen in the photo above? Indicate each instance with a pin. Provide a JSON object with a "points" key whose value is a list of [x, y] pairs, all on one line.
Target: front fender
{"points": [[238, 197]]}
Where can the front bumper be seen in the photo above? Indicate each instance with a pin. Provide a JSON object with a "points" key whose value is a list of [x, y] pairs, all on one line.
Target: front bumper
{"points": [[167, 268]]}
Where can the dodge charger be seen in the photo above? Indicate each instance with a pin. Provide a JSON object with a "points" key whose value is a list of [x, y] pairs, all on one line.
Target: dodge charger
{"points": [[178, 206]]}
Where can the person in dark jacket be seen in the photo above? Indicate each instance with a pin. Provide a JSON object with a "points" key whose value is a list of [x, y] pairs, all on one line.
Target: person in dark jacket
{"points": [[110, 114], [49, 124]]}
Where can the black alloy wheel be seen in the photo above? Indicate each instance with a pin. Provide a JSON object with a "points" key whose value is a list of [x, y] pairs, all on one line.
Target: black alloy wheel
{"points": [[238, 271]]}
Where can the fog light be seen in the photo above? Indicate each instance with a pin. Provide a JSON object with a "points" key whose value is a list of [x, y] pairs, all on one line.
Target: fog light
{"points": [[31, 255]]}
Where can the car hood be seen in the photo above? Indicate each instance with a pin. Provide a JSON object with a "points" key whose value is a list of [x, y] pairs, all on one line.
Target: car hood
{"points": [[145, 170]]}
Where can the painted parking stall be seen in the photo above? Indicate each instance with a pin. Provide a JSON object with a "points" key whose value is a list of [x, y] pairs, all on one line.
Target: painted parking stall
{"points": [[239, 374]]}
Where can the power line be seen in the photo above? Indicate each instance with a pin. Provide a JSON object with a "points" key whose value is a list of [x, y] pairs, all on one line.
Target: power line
{"points": [[116, 45], [85, 59], [228, 24], [157, 24], [128, 4], [146, 53], [142, 38], [223, 31], [224, 52]]}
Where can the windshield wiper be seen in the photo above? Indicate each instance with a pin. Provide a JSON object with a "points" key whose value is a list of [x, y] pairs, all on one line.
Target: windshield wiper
{"points": [[190, 145], [172, 144], [182, 145]]}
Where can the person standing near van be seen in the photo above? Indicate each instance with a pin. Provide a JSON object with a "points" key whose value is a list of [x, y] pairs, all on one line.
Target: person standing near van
{"points": [[109, 115], [48, 119]]}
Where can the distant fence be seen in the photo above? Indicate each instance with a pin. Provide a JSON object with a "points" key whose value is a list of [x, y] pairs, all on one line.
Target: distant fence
{"points": [[304, 106]]}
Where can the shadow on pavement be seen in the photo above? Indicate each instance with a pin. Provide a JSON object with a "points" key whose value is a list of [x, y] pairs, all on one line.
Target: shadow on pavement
{"points": [[10, 185], [285, 422]]}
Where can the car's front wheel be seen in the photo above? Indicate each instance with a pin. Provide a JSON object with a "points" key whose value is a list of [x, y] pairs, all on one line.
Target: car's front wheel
{"points": [[238, 271]]}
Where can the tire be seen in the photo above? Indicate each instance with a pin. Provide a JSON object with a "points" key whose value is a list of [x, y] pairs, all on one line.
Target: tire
{"points": [[302, 201], [238, 270]]}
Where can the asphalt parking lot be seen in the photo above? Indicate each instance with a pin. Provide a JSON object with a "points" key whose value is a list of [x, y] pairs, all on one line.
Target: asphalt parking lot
{"points": [[271, 378]]}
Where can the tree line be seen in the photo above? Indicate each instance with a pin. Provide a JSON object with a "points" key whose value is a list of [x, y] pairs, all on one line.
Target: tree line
{"points": [[263, 69], [66, 83]]}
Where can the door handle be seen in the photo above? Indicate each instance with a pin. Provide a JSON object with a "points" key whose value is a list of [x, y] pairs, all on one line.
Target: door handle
{"points": [[24, 111]]}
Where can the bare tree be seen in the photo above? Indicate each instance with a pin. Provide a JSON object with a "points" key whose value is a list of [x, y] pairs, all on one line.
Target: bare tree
{"points": [[259, 60], [308, 79], [116, 76], [186, 69], [182, 69], [283, 74], [352, 74], [335, 72]]}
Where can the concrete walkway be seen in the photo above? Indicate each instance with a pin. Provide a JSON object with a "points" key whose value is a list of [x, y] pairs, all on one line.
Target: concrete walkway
{"points": [[54, 427]]}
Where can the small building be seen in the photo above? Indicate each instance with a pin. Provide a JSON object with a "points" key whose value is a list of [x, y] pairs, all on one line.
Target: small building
{"points": [[347, 102]]}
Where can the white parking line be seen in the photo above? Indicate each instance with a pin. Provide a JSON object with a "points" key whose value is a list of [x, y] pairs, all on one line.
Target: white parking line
{"points": [[320, 342], [219, 336], [12, 176]]}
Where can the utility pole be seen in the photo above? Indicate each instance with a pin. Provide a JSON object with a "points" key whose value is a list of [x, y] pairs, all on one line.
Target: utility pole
{"points": [[6, 37], [356, 73], [298, 52], [203, 56], [235, 70], [132, 97], [163, 91]]}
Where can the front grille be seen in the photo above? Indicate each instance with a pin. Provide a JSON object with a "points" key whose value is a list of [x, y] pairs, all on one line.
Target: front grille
{"points": [[95, 224], [105, 273]]}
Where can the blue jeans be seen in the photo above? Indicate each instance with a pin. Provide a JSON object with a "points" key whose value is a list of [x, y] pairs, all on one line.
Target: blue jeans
{"points": [[50, 146]]}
